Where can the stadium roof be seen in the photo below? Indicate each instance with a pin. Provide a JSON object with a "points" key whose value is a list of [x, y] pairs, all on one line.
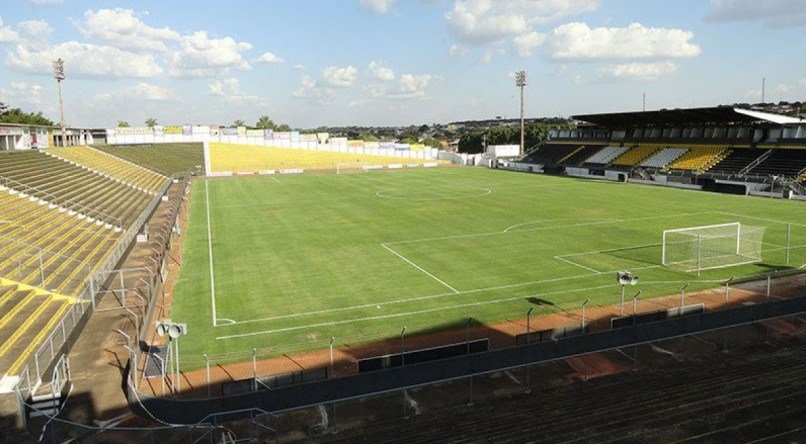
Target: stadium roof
{"points": [[688, 116]]}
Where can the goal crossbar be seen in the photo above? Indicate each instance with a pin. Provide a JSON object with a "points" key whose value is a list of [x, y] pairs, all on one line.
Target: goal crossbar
{"points": [[712, 246]]}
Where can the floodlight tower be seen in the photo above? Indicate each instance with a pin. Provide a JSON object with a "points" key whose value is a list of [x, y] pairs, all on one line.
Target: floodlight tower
{"points": [[58, 74], [520, 82]]}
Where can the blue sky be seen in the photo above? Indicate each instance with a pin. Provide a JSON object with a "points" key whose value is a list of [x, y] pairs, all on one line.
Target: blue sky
{"points": [[393, 62]]}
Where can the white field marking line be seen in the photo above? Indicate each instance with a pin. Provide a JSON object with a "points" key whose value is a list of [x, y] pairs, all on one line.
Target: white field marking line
{"points": [[275, 179], [760, 218], [452, 307], [386, 244], [582, 224], [229, 321], [210, 251], [560, 258], [486, 192], [419, 268], [396, 315], [553, 220], [611, 250], [434, 296]]}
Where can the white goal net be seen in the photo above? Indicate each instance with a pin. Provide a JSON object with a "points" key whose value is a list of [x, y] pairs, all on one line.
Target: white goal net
{"points": [[350, 167], [712, 246]]}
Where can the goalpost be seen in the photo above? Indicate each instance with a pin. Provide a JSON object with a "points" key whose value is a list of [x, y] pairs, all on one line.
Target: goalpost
{"points": [[350, 167], [712, 246]]}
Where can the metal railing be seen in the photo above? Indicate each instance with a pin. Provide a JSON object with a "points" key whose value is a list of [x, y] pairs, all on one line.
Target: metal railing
{"points": [[57, 201], [63, 337]]}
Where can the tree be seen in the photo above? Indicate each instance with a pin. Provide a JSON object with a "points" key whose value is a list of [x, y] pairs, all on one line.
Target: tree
{"points": [[123, 124], [151, 122], [432, 142], [471, 143], [265, 123], [239, 122], [282, 128], [16, 115]]}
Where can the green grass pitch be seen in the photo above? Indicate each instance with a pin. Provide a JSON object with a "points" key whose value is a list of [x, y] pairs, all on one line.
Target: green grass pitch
{"points": [[299, 259]]}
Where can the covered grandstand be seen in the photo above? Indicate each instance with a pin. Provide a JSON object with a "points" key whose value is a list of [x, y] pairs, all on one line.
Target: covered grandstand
{"points": [[694, 147]]}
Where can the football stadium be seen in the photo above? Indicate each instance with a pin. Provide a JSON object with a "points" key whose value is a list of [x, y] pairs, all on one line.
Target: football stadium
{"points": [[628, 276]]}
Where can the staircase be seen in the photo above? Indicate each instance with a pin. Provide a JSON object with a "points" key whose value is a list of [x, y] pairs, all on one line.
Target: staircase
{"points": [[48, 400], [754, 163], [642, 173]]}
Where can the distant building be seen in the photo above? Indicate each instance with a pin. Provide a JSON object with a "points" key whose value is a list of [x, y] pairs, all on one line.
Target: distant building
{"points": [[15, 136]]}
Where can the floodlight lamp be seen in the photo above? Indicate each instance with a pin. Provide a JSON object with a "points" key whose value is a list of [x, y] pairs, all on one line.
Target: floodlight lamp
{"points": [[58, 69], [174, 331], [520, 79]]}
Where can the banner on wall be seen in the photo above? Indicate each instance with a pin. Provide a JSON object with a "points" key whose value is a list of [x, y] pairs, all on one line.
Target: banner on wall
{"points": [[134, 130], [387, 145], [172, 130], [229, 131], [284, 135], [268, 134], [201, 130], [295, 136], [323, 137], [187, 130], [215, 130], [402, 146], [241, 130], [355, 143], [308, 137], [158, 130], [255, 133]]}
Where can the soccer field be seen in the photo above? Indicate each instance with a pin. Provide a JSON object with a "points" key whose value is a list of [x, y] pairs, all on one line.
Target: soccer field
{"points": [[287, 262]]}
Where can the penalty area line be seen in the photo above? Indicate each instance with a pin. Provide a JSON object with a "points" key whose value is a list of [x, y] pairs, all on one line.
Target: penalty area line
{"points": [[560, 258], [420, 268]]}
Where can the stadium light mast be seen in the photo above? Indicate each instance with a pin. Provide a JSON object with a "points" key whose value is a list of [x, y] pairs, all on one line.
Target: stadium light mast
{"points": [[520, 82], [58, 74]]}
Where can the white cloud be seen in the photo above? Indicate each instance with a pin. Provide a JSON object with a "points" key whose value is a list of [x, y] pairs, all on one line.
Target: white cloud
{"points": [[269, 57], [340, 77], [141, 92], [484, 21], [310, 89], [458, 50], [299, 67], [7, 35], [123, 29], [230, 90], [22, 94], [377, 6], [84, 60], [200, 55], [379, 72], [771, 13], [410, 86], [35, 33], [577, 41], [525, 43], [637, 71], [490, 54]]}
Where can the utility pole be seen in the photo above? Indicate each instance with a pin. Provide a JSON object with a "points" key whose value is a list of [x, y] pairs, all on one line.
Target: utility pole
{"points": [[644, 102], [58, 74], [520, 82]]}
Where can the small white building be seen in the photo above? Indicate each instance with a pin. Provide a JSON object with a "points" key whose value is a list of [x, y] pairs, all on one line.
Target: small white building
{"points": [[15, 136]]}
